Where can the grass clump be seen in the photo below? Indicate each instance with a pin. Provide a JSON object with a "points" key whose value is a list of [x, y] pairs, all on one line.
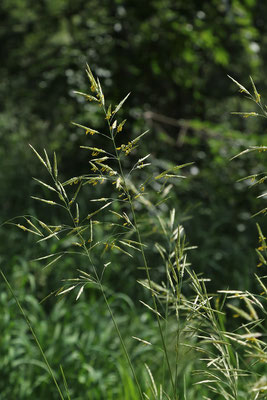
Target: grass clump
{"points": [[181, 346]]}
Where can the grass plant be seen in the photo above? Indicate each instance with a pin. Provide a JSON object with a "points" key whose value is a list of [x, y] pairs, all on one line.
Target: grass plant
{"points": [[193, 346]]}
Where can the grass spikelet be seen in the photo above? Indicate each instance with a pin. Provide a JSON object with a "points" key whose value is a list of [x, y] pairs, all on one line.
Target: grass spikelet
{"points": [[33, 226], [100, 93], [66, 290], [92, 80], [256, 94], [118, 107], [55, 166], [48, 162], [25, 229], [241, 87], [80, 292], [87, 130], [145, 342], [45, 184], [38, 155], [150, 308], [50, 202], [89, 216], [53, 261], [153, 385], [93, 149], [86, 96]]}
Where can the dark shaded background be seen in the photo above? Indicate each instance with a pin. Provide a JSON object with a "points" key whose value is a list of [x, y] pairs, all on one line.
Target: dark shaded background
{"points": [[174, 57]]}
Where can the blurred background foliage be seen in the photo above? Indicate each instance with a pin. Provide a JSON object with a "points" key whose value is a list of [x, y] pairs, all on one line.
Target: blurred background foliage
{"points": [[174, 57]]}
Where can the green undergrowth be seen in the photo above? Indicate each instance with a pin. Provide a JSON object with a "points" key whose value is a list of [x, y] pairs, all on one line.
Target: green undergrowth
{"points": [[111, 304]]}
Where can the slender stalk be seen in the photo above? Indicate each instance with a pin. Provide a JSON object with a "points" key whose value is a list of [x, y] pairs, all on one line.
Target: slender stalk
{"points": [[143, 256], [109, 308], [33, 334]]}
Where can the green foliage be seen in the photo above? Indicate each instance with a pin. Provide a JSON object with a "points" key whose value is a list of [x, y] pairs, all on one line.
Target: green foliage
{"points": [[174, 56], [184, 334], [85, 347], [173, 53]]}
